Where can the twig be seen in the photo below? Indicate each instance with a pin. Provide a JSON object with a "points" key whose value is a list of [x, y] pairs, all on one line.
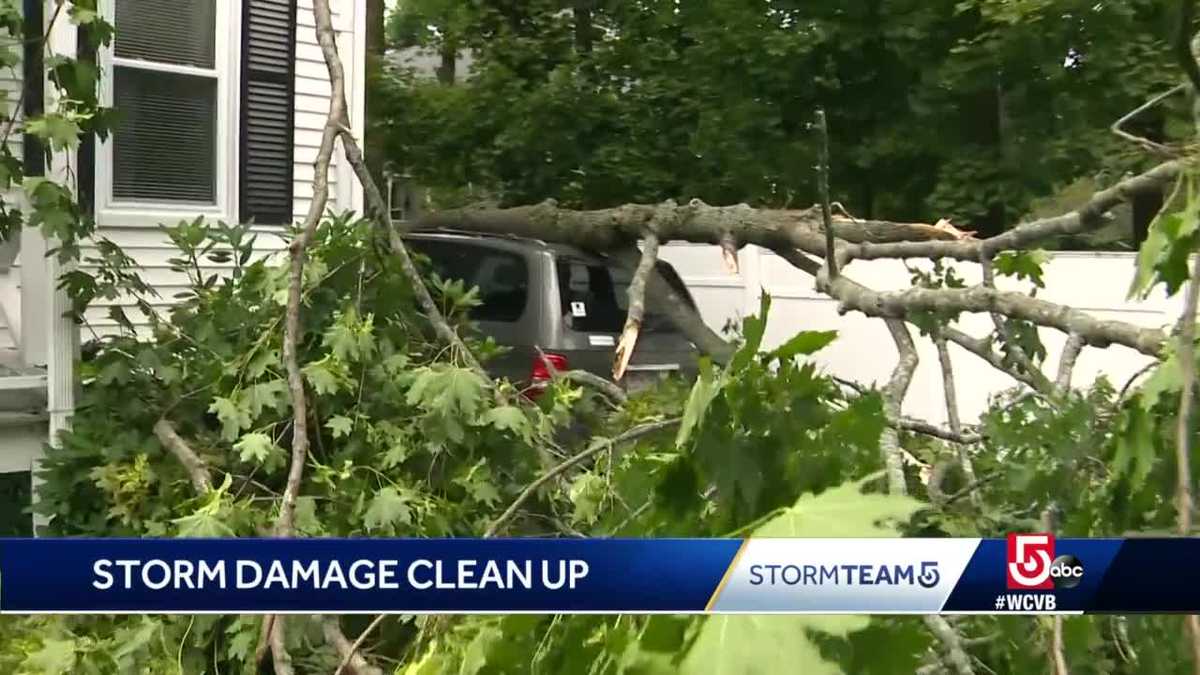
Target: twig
{"points": [[951, 394], [583, 377], [351, 659], [1066, 364], [823, 190], [928, 429], [1140, 140], [982, 348], [637, 305], [1133, 378], [593, 449], [893, 399], [196, 467], [1005, 332], [970, 488]]}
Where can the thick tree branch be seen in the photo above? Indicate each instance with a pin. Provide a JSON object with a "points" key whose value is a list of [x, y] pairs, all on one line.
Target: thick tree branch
{"points": [[596, 447], [637, 305], [196, 467], [695, 221], [898, 304], [1183, 432]]}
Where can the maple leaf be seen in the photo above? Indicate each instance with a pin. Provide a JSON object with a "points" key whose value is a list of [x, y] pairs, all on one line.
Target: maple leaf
{"points": [[387, 509], [340, 425], [509, 418], [255, 448], [233, 416]]}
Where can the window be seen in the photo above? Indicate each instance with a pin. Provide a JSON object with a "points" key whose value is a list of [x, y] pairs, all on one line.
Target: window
{"points": [[501, 277], [169, 72], [595, 297]]}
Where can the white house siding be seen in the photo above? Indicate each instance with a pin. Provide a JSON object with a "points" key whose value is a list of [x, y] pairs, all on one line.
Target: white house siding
{"points": [[151, 248], [864, 351], [10, 91]]}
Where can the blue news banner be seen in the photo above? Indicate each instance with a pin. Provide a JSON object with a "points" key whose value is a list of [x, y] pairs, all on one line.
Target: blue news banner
{"points": [[1025, 573]]}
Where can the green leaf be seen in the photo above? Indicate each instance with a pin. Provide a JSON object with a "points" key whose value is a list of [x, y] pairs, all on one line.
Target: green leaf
{"points": [[388, 508], [59, 131], [843, 511], [751, 644], [509, 418], [705, 388], [271, 394], [55, 656], [805, 342], [448, 390], [204, 524], [475, 655], [256, 448], [1022, 265], [233, 416], [398, 451], [323, 379], [1163, 256], [340, 425], [586, 493], [753, 329]]}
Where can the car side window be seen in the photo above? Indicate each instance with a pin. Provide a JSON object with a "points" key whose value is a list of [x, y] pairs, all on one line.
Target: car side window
{"points": [[501, 277]]}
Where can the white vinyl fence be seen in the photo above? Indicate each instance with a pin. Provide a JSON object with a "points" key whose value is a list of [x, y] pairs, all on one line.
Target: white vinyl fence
{"points": [[864, 351]]}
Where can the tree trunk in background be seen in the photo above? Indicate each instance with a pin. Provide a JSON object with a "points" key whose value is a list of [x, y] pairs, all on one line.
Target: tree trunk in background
{"points": [[1145, 206], [583, 26], [447, 70], [374, 154]]}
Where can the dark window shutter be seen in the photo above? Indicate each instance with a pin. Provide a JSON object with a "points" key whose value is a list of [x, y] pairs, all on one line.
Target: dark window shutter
{"points": [[267, 91]]}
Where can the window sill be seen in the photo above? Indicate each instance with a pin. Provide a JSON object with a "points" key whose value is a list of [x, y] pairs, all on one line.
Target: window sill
{"points": [[153, 216]]}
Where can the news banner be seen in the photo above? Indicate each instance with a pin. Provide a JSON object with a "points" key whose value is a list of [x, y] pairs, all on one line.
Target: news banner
{"points": [[1026, 574]]}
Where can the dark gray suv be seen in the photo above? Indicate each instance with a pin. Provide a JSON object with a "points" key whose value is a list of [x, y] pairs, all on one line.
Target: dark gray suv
{"points": [[569, 303]]}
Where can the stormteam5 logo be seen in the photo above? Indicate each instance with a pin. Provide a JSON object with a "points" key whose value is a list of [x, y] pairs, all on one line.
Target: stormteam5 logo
{"points": [[1032, 564]]}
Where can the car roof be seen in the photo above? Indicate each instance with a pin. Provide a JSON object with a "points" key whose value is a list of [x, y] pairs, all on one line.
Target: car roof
{"points": [[503, 242]]}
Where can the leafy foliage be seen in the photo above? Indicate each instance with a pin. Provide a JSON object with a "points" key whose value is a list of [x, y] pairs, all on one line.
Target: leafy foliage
{"points": [[964, 110]]}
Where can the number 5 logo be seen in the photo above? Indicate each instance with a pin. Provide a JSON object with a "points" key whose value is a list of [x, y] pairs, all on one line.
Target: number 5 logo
{"points": [[1029, 559]]}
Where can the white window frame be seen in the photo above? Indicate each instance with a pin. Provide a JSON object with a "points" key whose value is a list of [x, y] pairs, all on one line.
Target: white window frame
{"points": [[227, 72]]}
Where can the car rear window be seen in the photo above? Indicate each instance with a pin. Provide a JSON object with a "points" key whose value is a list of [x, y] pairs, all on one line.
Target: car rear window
{"points": [[501, 277], [595, 296]]}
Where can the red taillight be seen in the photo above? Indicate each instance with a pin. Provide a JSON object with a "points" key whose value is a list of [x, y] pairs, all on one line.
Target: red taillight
{"points": [[540, 374]]}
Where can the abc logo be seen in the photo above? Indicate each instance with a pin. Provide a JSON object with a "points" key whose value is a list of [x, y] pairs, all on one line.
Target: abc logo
{"points": [[1066, 571]]}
